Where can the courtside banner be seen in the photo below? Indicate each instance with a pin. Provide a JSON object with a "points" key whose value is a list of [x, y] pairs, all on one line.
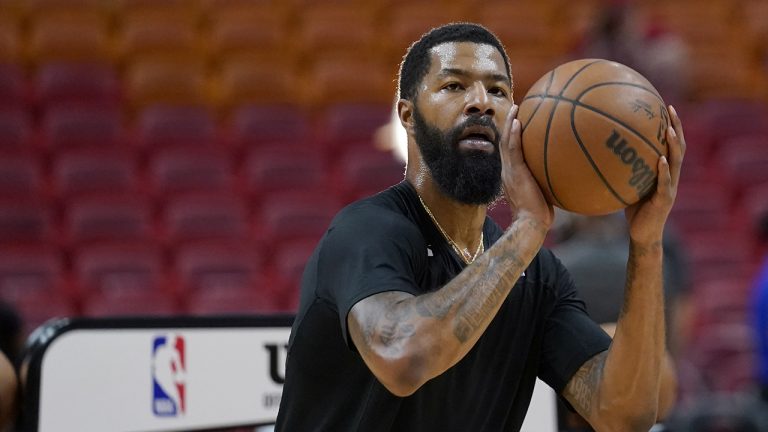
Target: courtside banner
{"points": [[159, 374], [171, 374]]}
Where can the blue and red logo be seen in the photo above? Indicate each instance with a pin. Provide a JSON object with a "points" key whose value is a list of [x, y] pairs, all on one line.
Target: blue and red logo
{"points": [[169, 376]]}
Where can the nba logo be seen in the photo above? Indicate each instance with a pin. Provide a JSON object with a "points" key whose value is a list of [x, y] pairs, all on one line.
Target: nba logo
{"points": [[168, 376]]}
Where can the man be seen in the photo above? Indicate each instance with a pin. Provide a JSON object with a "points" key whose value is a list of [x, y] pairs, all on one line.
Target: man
{"points": [[418, 313]]}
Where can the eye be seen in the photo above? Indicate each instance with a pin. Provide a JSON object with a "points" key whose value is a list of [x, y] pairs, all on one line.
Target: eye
{"points": [[453, 86], [497, 91]]}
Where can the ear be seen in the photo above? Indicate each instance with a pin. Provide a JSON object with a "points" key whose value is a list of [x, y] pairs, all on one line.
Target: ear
{"points": [[405, 113]]}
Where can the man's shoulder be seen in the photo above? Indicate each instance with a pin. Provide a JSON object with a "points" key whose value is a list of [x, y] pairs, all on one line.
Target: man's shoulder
{"points": [[384, 211]]}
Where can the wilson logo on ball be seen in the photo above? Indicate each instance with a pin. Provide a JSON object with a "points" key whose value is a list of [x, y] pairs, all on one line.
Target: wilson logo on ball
{"points": [[642, 177]]}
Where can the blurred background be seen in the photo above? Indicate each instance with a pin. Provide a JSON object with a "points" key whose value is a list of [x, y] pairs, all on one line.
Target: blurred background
{"points": [[184, 156]]}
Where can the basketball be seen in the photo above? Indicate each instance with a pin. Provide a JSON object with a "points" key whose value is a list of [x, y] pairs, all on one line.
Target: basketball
{"points": [[593, 133]]}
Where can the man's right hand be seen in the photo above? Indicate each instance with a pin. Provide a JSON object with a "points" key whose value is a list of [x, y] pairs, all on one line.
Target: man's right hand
{"points": [[521, 190]]}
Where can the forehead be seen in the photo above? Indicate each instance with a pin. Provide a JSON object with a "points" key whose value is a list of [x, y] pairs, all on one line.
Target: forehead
{"points": [[480, 59]]}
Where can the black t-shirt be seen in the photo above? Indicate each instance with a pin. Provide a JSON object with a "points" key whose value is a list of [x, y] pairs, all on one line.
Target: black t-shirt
{"points": [[388, 243]]}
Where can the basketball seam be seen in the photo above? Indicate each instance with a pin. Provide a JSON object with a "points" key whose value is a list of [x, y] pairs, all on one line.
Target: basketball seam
{"points": [[605, 114], [549, 124], [589, 157], [538, 105]]}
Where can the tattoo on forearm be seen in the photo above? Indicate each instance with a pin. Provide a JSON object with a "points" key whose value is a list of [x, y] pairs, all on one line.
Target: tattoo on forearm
{"points": [[477, 309], [583, 386]]}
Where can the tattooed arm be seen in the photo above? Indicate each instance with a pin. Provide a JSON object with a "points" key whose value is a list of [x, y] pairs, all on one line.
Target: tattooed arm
{"points": [[407, 340], [628, 386]]}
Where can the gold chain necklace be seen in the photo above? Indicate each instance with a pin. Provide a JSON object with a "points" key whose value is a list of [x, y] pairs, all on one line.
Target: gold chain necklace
{"points": [[464, 254]]}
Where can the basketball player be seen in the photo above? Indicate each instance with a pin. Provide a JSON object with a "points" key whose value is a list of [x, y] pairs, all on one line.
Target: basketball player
{"points": [[418, 313]]}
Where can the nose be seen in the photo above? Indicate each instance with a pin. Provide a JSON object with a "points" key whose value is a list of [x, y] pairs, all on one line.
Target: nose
{"points": [[478, 102]]}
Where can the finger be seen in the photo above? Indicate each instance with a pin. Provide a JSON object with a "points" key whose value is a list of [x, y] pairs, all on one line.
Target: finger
{"points": [[664, 179], [511, 116], [677, 124], [676, 150]]}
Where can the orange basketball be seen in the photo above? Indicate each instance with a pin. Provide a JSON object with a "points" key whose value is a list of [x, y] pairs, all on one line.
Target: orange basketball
{"points": [[593, 133]]}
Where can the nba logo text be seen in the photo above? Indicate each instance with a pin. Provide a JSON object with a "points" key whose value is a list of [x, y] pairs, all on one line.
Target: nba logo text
{"points": [[169, 380]]}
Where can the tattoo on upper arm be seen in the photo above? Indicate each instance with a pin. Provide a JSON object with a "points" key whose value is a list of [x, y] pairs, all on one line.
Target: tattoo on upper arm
{"points": [[582, 388]]}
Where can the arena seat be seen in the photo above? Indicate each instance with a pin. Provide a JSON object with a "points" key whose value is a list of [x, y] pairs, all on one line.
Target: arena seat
{"points": [[339, 28], [69, 35], [256, 80], [10, 40], [230, 301], [107, 218], [701, 207], [14, 90], [83, 83], [159, 34], [68, 127], [35, 308], [248, 29], [271, 169], [32, 268], [345, 125], [219, 271], [166, 81], [177, 170], [288, 264], [21, 175], [332, 80], [119, 267], [289, 216], [265, 124], [745, 161], [81, 171], [195, 217], [130, 303], [28, 220], [162, 126], [362, 172]]}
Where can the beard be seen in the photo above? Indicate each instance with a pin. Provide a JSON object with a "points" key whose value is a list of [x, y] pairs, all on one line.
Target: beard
{"points": [[469, 177]]}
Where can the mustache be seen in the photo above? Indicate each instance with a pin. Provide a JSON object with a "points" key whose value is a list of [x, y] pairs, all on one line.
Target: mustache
{"points": [[478, 120]]}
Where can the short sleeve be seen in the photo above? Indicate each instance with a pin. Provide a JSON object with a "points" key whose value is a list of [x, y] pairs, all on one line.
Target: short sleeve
{"points": [[368, 250], [571, 337]]}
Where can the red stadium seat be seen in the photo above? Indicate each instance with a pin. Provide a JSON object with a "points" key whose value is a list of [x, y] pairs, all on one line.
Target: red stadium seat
{"points": [[80, 171], [120, 267], [107, 218], [130, 303], [290, 259], [25, 221], [176, 170], [84, 83], [259, 125], [27, 270], [290, 216], [205, 216], [701, 207], [218, 267], [745, 160], [365, 172], [15, 130], [169, 126], [271, 169], [13, 86], [66, 127], [345, 125], [713, 255], [229, 301], [21, 176]]}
